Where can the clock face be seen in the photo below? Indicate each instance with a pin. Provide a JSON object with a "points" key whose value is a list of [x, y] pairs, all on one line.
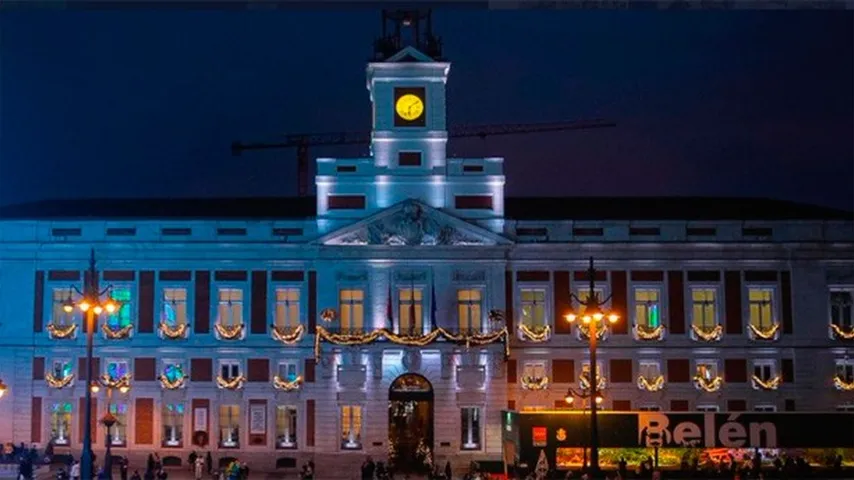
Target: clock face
{"points": [[409, 107]]}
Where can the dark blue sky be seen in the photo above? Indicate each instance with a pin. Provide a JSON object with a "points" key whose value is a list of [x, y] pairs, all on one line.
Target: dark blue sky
{"points": [[143, 103]]}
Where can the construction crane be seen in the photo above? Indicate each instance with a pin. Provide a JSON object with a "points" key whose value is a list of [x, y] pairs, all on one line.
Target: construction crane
{"points": [[302, 142]]}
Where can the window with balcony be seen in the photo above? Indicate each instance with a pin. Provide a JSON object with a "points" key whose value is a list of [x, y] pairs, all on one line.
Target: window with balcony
{"points": [[844, 377], [173, 424], [117, 369], [649, 376], [584, 378], [351, 427], [840, 310], [469, 309], [410, 303], [287, 370], [765, 375], [704, 314], [59, 317], [61, 373], [647, 308], [761, 313], [229, 370], [533, 307], [120, 429], [229, 426], [122, 318], [287, 308], [352, 308], [60, 423], [286, 426], [707, 369], [470, 420]]}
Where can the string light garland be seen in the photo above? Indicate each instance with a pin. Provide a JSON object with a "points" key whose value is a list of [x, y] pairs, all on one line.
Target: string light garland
{"points": [[537, 334], [643, 332], [584, 333], [167, 384], [654, 385], [229, 332], [535, 383], [110, 382], [173, 332], [58, 383], [354, 339], [842, 385], [770, 333], [233, 384], [281, 384], [708, 385], [61, 332], [840, 333], [706, 335], [287, 335], [119, 334], [328, 315], [770, 384]]}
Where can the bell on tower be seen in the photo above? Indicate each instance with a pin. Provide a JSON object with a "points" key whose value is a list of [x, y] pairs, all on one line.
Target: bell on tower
{"points": [[407, 28]]}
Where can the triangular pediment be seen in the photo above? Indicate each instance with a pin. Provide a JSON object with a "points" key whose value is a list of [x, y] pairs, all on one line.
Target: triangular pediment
{"points": [[412, 223], [409, 54]]}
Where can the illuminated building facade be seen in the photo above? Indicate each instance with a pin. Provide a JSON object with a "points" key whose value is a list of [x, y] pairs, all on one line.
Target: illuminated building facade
{"points": [[417, 274]]}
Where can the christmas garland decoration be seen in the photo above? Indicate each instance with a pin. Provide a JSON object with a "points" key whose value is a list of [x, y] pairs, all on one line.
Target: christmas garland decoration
{"points": [[535, 383], [712, 385], [584, 332], [654, 385], [770, 333], [328, 315], [58, 383], [60, 332], [584, 381], [535, 334], [842, 385], [352, 339], [645, 333], [705, 335], [110, 382], [233, 384], [282, 334], [771, 384], [174, 333], [229, 332], [280, 384], [839, 333], [119, 334], [172, 385]]}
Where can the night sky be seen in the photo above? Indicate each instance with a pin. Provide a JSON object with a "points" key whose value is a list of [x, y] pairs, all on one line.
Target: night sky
{"points": [[144, 104]]}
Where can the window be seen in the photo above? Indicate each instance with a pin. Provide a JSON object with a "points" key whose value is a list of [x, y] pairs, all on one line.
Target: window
{"points": [[840, 309], [533, 307], [584, 378], [583, 293], [470, 428], [173, 424], [649, 369], [647, 308], [708, 408], [61, 369], [59, 316], [761, 307], [286, 426], [704, 313], [229, 426], [287, 308], [649, 408], [60, 423], [174, 306], [410, 309], [351, 427], [120, 429], [765, 408], [352, 308], [764, 370], [230, 308], [122, 317], [117, 369], [707, 370], [229, 369], [287, 370], [469, 308], [845, 370], [173, 371], [535, 370]]}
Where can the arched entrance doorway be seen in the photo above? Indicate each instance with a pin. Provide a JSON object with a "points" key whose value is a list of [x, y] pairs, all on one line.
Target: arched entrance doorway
{"points": [[410, 422]]}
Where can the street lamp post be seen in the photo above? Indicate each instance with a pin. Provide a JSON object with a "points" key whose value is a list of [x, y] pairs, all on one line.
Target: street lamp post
{"points": [[90, 303], [109, 419], [592, 316]]}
